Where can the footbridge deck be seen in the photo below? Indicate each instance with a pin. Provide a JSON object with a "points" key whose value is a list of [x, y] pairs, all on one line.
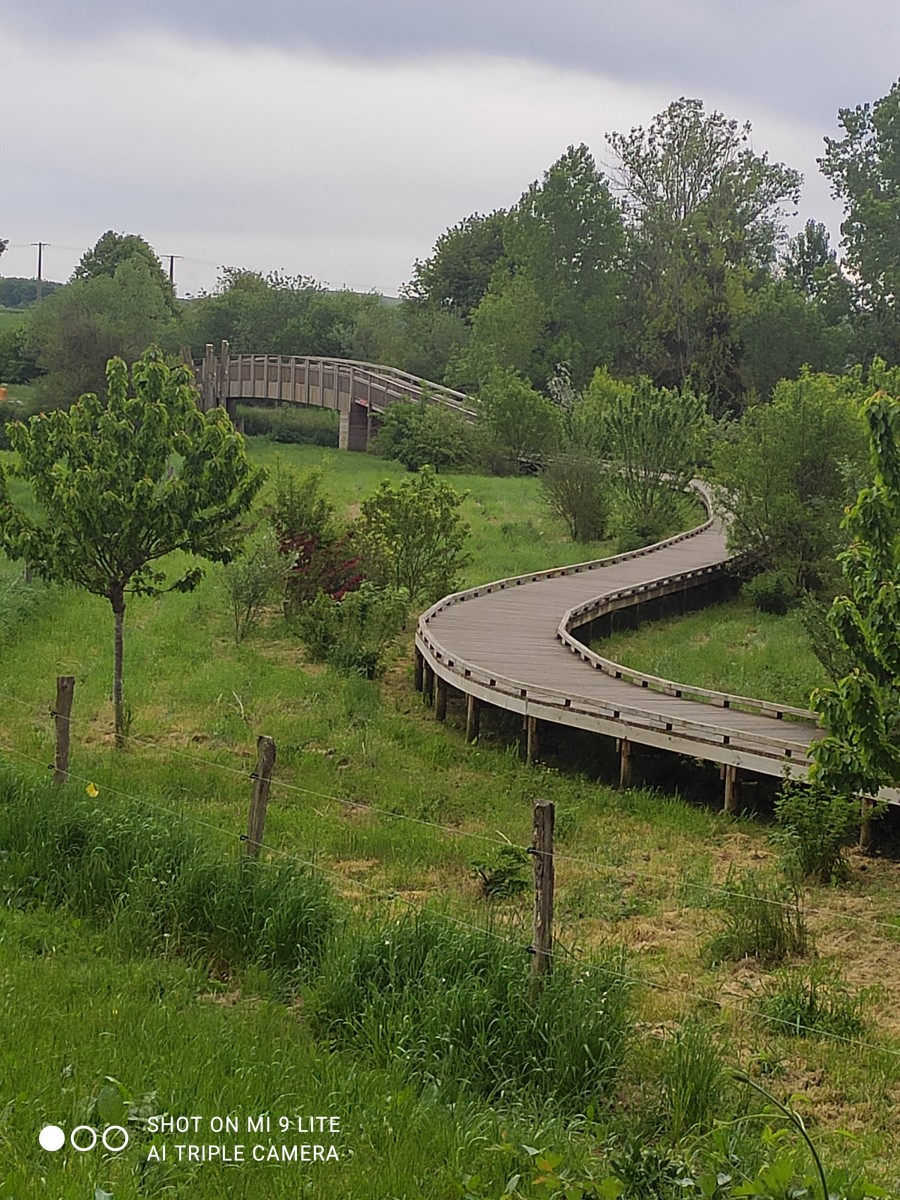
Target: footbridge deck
{"points": [[513, 644]]}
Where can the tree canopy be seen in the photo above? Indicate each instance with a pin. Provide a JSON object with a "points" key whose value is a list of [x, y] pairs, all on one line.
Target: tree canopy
{"points": [[704, 214]]}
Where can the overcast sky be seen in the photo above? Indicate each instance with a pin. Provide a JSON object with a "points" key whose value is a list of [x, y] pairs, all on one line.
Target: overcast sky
{"points": [[339, 138]]}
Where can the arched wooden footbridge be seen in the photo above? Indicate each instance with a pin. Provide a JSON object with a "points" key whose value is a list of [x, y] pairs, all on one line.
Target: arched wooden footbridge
{"points": [[359, 391], [514, 643]]}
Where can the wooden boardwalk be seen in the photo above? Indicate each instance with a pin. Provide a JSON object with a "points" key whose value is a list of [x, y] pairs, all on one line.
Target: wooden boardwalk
{"points": [[512, 644]]}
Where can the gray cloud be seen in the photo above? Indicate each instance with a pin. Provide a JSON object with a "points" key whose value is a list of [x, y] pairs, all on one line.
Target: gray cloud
{"points": [[803, 57]]}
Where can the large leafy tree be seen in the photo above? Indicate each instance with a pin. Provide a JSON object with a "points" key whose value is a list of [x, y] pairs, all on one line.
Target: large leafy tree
{"points": [[73, 333], [864, 169], [784, 475], [704, 214], [124, 482], [861, 753], [113, 249], [458, 272], [566, 233]]}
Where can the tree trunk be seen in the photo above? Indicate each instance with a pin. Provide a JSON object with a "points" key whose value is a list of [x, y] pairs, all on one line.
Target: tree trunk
{"points": [[118, 606]]}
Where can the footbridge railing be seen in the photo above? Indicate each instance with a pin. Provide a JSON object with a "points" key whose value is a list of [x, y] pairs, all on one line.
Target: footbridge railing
{"points": [[359, 391]]}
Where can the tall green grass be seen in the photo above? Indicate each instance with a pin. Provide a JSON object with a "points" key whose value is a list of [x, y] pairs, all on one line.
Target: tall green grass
{"points": [[453, 1005], [158, 883]]}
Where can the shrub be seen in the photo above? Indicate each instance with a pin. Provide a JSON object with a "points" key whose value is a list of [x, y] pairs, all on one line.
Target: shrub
{"points": [[815, 826], [760, 918], [452, 1004], [254, 578], [320, 558], [412, 535], [815, 1001], [426, 434], [769, 593], [576, 488], [355, 633], [503, 874]]}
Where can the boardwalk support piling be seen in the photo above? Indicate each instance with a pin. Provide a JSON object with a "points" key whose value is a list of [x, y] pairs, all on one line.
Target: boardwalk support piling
{"points": [[473, 718], [542, 853], [259, 800], [626, 764], [428, 684], [419, 676], [440, 698], [62, 713], [532, 740], [732, 790]]}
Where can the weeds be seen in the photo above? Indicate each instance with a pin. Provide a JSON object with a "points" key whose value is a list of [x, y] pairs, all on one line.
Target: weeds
{"points": [[815, 1001], [759, 918]]}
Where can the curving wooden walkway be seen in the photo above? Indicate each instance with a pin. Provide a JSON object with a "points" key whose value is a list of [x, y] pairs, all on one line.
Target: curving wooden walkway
{"points": [[512, 644]]}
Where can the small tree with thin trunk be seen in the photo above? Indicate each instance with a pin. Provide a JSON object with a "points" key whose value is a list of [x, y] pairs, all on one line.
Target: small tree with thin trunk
{"points": [[122, 483], [861, 753]]}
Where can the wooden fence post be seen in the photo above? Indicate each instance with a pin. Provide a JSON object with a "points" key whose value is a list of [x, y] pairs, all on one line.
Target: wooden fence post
{"points": [[626, 766], [732, 789], [542, 853], [62, 713], [262, 777]]}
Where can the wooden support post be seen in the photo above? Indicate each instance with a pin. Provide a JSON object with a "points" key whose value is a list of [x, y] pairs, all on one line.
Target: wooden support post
{"points": [[62, 713], [732, 789], [542, 853], [440, 698], [532, 740], [473, 718], [418, 677], [262, 778], [428, 683], [626, 766], [867, 826]]}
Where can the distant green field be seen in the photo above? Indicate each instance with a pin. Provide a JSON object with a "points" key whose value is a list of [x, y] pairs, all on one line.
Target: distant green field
{"points": [[10, 318]]}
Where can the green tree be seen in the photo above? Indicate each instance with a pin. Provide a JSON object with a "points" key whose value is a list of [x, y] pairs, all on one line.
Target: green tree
{"points": [[458, 273], [864, 170], [121, 484], [522, 423], [76, 331], [784, 475], [566, 234], [413, 535], [655, 439], [861, 711], [113, 249], [704, 214]]}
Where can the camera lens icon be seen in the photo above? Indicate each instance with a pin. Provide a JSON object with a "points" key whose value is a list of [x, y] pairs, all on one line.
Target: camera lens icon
{"points": [[114, 1138]]}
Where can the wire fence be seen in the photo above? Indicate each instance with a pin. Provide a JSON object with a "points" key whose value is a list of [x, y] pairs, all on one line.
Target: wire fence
{"points": [[392, 897]]}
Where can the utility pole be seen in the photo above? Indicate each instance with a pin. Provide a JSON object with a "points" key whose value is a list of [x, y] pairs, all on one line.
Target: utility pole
{"points": [[40, 273], [171, 258]]}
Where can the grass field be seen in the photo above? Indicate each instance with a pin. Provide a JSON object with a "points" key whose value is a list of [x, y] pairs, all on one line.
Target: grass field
{"points": [[394, 812], [729, 648]]}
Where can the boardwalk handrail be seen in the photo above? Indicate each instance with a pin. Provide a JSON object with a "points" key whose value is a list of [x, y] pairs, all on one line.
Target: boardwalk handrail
{"points": [[765, 745]]}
